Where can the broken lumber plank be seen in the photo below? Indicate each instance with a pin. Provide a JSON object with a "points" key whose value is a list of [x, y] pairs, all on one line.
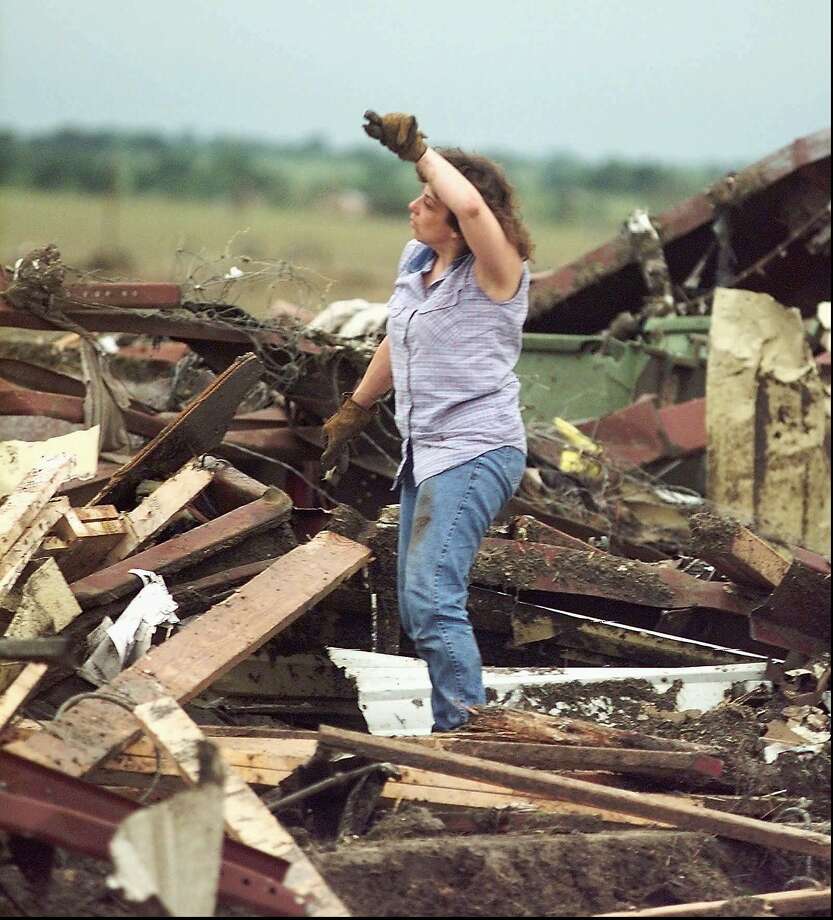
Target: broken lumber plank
{"points": [[192, 659], [20, 690], [682, 814], [797, 613], [530, 530], [268, 761], [783, 903], [197, 429], [285, 753], [136, 767], [83, 536], [115, 581], [562, 757], [16, 559], [47, 605], [737, 552], [20, 508], [158, 508], [531, 623], [539, 567], [247, 819], [538, 728]]}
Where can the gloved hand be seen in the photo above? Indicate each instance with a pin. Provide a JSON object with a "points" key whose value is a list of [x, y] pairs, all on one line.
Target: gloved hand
{"points": [[398, 132], [350, 420]]}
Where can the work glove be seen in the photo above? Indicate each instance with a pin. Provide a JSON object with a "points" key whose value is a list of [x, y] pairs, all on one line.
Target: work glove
{"points": [[350, 420], [398, 132]]}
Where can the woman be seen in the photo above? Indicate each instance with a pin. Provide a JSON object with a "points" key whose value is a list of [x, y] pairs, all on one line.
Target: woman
{"points": [[453, 338]]}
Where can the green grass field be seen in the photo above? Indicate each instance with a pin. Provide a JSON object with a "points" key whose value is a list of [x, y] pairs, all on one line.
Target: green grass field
{"points": [[345, 256]]}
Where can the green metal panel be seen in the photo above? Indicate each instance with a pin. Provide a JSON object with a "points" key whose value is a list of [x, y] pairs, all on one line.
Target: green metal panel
{"points": [[579, 377], [685, 336], [576, 376]]}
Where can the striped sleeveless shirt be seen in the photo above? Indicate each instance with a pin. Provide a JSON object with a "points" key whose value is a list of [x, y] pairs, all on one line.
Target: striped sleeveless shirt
{"points": [[453, 353]]}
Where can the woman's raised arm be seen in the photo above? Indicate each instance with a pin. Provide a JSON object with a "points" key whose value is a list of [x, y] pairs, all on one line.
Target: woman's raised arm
{"points": [[498, 265]]}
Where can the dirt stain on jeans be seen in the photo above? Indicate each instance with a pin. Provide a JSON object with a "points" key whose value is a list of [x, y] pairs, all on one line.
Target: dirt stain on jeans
{"points": [[420, 524]]}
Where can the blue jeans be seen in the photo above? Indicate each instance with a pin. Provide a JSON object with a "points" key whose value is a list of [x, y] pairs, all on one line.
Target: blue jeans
{"points": [[441, 524]]}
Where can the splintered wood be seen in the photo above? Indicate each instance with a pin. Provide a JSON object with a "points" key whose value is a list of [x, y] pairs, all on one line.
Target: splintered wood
{"points": [[658, 808], [247, 818], [46, 607], [20, 690], [20, 509], [189, 661], [15, 560], [158, 508], [544, 729], [197, 429]]}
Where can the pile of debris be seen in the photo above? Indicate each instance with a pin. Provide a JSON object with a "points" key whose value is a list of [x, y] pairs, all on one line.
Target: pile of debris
{"points": [[202, 670]]}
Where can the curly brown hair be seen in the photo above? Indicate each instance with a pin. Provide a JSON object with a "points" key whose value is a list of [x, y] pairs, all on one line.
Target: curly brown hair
{"points": [[490, 180]]}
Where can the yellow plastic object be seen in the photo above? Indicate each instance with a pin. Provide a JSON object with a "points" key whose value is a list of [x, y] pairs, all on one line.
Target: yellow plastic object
{"points": [[576, 462], [575, 437]]}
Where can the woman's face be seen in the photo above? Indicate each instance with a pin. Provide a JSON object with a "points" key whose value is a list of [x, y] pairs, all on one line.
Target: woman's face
{"points": [[429, 219]]}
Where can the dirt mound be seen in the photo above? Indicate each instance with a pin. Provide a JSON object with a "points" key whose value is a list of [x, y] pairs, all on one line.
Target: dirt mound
{"points": [[541, 875]]}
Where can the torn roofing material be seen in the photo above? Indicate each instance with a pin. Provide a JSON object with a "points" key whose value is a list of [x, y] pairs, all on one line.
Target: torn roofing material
{"points": [[765, 205]]}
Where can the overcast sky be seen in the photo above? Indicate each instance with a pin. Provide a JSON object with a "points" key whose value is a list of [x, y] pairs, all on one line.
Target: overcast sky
{"points": [[684, 80]]}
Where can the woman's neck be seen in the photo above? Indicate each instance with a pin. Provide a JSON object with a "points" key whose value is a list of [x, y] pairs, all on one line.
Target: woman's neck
{"points": [[446, 255]]}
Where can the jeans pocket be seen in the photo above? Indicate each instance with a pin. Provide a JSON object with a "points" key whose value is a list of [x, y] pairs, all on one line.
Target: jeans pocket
{"points": [[514, 466]]}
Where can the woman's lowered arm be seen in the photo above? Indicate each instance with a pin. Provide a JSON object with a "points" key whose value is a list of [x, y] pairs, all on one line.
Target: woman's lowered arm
{"points": [[377, 379]]}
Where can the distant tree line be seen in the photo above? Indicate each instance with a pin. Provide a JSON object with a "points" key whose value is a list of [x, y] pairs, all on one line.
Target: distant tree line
{"points": [[119, 162]]}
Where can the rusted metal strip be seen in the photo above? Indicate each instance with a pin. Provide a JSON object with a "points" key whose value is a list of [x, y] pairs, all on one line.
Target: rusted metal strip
{"points": [[643, 432], [558, 284], [67, 812], [142, 294]]}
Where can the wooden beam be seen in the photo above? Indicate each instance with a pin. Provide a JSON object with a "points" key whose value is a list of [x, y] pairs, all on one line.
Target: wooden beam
{"points": [[19, 509], [539, 567], [642, 805], [115, 581], [737, 552], [82, 538], [663, 764], [541, 728], [783, 903], [20, 690], [48, 649], [280, 754], [193, 658], [158, 508], [247, 819], [268, 760], [197, 429]]}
